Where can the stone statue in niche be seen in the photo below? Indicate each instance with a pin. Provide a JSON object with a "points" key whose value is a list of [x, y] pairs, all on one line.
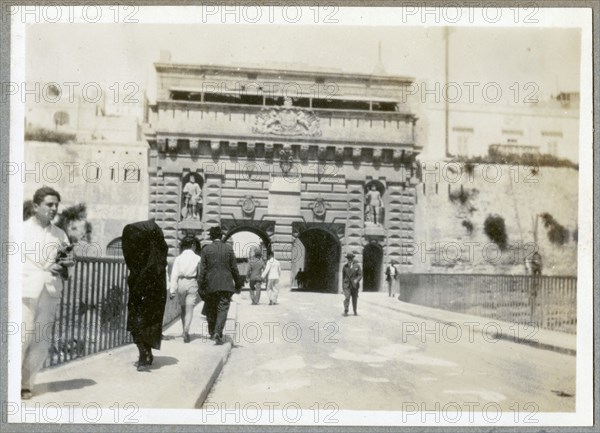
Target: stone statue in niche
{"points": [[374, 206], [192, 199]]}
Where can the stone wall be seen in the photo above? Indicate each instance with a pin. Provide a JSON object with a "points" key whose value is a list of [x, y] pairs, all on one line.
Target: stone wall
{"points": [[95, 175], [517, 194]]}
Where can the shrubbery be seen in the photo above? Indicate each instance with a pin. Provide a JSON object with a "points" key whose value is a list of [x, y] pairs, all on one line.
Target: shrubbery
{"points": [[468, 225], [41, 134], [531, 159], [557, 233], [495, 229]]}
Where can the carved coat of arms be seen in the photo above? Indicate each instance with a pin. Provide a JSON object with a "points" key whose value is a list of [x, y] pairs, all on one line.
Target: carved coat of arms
{"points": [[248, 204], [287, 120], [319, 207]]}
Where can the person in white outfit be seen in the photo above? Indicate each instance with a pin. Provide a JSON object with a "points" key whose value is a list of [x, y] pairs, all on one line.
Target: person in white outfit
{"points": [[184, 283], [271, 274], [43, 272]]}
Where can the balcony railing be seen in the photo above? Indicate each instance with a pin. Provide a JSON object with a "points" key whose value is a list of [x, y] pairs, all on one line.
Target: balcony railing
{"points": [[543, 301], [92, 316]]}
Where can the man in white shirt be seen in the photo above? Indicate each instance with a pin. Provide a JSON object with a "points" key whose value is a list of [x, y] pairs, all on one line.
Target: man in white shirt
{"points": [[272, 273], [184, 283], [43, 274]]}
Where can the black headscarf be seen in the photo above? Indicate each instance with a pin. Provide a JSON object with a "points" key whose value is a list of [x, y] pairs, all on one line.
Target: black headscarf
{"points": [[145, 252]]}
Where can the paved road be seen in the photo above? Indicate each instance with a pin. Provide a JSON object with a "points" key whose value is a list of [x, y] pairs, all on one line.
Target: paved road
{"points": [[303, 351]]}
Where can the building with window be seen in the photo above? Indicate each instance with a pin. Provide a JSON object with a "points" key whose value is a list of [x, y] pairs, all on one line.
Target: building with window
{"points": [[546, 127]]}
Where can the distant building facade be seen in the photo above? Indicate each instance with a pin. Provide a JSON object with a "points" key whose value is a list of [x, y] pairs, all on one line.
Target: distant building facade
{"points": [[546, 127], [103, 164], [92, 116]]}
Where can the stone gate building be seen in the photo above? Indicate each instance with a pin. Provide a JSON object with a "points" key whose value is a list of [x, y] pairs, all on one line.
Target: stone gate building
{"points": [[291, 156]]}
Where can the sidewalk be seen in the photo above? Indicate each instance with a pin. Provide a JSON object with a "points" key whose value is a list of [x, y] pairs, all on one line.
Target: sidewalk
{"points": [[180, 377], [537, 337]]}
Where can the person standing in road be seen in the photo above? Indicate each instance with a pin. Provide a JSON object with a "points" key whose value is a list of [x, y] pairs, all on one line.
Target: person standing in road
{"points": [[391, 276], [300, 279], [254, 276], [272, 273], [219, 279], [352, 274], [184, 283], [145, 252], [44, 271], [536, 263]]}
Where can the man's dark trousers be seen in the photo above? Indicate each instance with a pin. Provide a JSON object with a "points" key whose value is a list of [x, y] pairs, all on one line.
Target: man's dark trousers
{"points": [[255, 287], [350, 293], [217, 307]]}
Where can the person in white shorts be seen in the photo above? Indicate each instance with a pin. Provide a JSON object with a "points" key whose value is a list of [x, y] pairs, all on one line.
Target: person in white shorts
{"points": [[184, 283], [272, 273]]}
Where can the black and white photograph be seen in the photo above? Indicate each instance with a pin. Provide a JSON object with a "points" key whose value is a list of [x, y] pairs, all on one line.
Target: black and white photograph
{"points": [[309, 216]]}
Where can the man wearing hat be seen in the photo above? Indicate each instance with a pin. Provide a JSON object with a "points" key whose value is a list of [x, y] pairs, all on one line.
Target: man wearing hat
{"points": [[352, 274], [219, 279], [391, 276]]}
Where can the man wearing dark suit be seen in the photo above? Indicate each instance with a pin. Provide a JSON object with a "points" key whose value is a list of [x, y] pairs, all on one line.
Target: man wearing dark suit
{"points": [[391, 276], [219, 279], [352, 274]]}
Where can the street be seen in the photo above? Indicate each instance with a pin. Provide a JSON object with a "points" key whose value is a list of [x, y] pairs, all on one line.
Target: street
{"points": [[303, 351]]}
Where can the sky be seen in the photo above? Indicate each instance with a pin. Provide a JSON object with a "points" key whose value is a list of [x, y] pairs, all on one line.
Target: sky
{"points": [[121, 53], [124, 53]]}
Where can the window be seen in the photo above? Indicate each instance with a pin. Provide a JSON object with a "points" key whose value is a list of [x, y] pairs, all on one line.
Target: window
{"points": [[463, 137], [114, 248], [462, 147], [61, 118]]}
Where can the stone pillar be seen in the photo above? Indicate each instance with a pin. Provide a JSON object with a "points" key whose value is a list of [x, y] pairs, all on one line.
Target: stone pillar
{"points": [[408, 202], [394, 223], [284, 207], [354, 223], [211, 214], [164, 205]]}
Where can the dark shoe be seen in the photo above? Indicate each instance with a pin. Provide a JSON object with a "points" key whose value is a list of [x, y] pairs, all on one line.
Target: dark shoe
{"points": [[219, 341], [26, 394], [211, 337], [143, 367], [355, 313], [186, 337], [270, 302], [345, 313]]}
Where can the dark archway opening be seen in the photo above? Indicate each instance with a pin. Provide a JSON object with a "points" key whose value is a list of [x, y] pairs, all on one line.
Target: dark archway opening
{"points": [[372, 262], [322, 253]]}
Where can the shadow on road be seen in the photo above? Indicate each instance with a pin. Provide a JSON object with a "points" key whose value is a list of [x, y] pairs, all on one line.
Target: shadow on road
{"points": [[63, 385]]}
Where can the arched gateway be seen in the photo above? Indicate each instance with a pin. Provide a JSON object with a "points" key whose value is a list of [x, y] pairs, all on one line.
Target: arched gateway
{"points": [[296, 170]]}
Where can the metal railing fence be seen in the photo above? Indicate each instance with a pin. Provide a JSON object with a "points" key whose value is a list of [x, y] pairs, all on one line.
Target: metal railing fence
{"points": [[549, 302], [92, 315]]}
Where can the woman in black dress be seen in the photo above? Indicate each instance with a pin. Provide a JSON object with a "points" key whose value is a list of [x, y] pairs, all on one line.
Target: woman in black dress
{"points": [[145, 252]]}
